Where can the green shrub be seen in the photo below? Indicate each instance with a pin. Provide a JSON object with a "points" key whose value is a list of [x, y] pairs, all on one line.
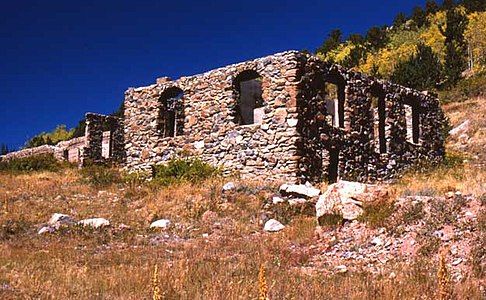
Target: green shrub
{"points": [[183, 170], [331, 220], [377, 214], [13, 228], [41, 162], [100, 175]]}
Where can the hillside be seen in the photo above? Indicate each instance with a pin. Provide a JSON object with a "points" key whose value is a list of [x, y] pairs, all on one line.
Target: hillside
{"points": [[215, 243], [435, 48]]}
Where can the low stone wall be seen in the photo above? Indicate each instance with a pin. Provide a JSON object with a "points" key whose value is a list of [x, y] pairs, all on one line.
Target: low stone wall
{"points": [[44, 149]]}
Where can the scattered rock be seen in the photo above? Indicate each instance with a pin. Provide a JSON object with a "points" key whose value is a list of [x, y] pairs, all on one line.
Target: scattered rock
{"points": [[162, 223], [377, 241], [58, 219], [302, 190], [457, 261], [229, 186], [273, 225], [46, 229], [94, 223], [341, 269], [460, 129], [297, 201], [277, 200], [346, 198]]}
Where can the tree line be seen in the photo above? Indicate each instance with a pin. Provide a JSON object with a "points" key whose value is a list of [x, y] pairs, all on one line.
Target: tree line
{"points": [[423, 69]]}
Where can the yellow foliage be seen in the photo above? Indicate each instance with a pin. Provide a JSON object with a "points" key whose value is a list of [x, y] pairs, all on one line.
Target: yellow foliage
{"points": [[339, 54], [476, 36], [156, 295], [443, 278], [432, 37], [386, 59]]}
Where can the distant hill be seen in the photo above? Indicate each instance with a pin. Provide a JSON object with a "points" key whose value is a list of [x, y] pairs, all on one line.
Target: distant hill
{"points": [[422, 50]]}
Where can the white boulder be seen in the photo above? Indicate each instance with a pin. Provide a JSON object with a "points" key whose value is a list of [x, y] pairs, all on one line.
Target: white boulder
{"points": [[162, 223], [229, 186], [94, 222], [305, 190], [344, 198], [462, 128], [273, 225]]}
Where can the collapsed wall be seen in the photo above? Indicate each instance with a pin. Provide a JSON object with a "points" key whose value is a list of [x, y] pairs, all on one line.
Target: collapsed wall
{"points": [[285, 117], [303, 120], [103, 143], [374, 130]]}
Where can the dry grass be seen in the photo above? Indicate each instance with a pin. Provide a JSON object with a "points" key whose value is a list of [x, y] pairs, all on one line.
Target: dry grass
{"points": [[222, 264], [113, 264], [469, 177], [466, 178]]}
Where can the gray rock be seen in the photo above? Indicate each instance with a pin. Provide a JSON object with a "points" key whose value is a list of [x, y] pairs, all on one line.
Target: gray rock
{"points": [[229, 186], [460, 129], [302, 190], [162, 223], [94, 222], [273, 225]]}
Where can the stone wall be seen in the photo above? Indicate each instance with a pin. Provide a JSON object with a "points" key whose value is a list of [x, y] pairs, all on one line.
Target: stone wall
{"points": [[368, 130], [210, 130], [360, 155], [44, 149], [297, 139], [103, 131], [71, 150]]}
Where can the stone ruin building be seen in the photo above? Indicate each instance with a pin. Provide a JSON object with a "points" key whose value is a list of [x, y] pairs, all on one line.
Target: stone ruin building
{"points": [[284, 117]]}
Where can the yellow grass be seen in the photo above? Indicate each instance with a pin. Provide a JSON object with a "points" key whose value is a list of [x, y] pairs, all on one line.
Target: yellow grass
{"points": [[116, 264]]}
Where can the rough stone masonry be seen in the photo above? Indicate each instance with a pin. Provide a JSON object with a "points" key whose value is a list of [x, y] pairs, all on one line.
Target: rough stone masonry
{"points": [[311, 121], [285, 117]]}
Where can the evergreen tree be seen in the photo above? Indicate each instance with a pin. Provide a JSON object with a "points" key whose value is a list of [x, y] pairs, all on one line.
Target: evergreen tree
{"points": [[355, 57], [422, 71], [79, 130], [399, 20], [419, 17], [448, 4], [431, 7], [474, 5], [356, 38], [376, 37], [456, 46], [3, 149], [333, 40]]}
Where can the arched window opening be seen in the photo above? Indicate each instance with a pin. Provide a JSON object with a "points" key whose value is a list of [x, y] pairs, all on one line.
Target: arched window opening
{"points": [[171, 113], [412, 120], [248, 89], [378, 111]]}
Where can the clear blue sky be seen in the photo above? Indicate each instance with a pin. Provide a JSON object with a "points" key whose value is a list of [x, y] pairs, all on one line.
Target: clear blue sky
{"points": [[59, 59]]}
